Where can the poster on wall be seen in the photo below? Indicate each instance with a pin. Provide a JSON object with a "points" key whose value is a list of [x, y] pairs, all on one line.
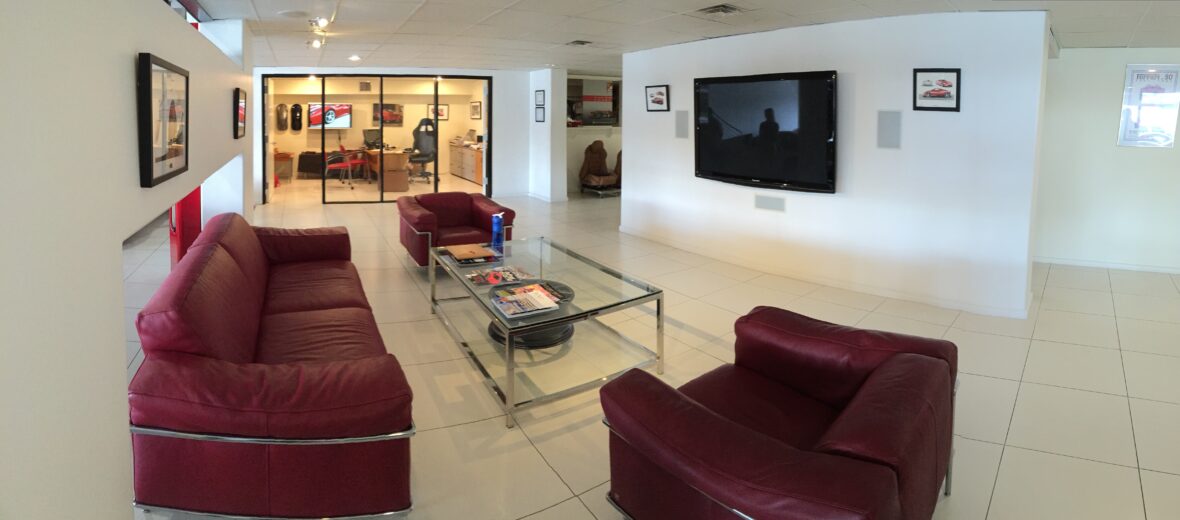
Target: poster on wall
{"points": [[937, 89], [476, 110], [162, 110], [444, 112], [388, 114], [657, 98], [1151, 101]]}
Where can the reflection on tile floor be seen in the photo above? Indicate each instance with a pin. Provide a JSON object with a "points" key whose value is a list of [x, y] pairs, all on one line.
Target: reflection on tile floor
{"points": [[1072, 413]]}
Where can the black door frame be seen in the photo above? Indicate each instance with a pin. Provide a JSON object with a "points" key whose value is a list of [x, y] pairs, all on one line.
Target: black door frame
{"points": [[487, 114]]}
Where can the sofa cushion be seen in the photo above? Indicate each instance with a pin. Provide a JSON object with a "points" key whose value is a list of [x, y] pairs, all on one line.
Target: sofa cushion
{"points": [[451, 208], [232, 232], [189, 312], [462, 235], [318, 335], [760, 404], [307, 286]]}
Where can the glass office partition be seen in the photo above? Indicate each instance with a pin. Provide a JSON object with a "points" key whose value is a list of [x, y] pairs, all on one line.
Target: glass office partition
{"points": [[347, 123]]}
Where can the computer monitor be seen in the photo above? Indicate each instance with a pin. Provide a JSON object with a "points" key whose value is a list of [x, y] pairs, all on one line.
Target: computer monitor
{"points": [[373, 138]]}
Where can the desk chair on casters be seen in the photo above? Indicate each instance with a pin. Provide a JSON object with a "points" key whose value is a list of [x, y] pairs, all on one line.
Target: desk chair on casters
{"points": [[425, 149]]}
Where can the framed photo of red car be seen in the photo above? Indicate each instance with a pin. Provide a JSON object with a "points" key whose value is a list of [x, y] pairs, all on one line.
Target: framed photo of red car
{"points": [[443, 111], [162, 112], [937, 89], [239, 107], [388, 114], [657, 98]]}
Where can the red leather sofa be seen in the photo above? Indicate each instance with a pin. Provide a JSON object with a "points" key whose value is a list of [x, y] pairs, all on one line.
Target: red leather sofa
{"points": [[812, 421], [447, 219], [266, 389]]}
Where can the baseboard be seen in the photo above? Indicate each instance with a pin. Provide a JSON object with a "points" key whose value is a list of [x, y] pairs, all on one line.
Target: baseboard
{"points": [[1106, 265], [1003, 312]]}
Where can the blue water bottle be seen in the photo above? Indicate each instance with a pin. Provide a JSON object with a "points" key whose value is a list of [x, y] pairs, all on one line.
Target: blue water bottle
{"points": [[498, 233]]}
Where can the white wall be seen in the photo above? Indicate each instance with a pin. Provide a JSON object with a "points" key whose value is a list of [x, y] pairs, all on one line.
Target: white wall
{"points": [[510, 111], [547, 157], [1100, 204], [64, 444], [944, 220], [577, 139]]}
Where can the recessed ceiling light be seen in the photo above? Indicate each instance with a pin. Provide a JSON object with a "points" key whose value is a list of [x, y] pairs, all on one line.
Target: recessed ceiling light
{"points": [[354, 57], [315, 44], [321, 22], [311, 77]]}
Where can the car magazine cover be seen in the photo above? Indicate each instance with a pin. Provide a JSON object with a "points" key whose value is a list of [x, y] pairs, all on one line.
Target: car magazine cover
{"points": [[525, 300]]}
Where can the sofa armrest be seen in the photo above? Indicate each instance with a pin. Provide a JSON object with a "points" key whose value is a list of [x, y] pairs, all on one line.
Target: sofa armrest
{"points": [[353, 398], [754, 474], [904, 404], [482, 209], [826, 361], [304, 245], [417, 216]]}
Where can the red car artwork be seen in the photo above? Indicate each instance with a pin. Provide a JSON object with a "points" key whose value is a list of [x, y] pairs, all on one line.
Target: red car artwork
{"points": [[945, 83], [937, 93], [333, 115]]}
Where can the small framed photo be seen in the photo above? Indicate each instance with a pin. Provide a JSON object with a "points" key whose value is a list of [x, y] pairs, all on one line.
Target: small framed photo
{"points": [[443, 114], [539, 98], [539, 114], [937, 89], [239, 113], [162, 113], [657, 98], [388, 114], [476, 110]]}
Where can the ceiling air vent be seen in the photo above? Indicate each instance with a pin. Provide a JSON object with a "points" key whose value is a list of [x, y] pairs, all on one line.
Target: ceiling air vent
{"points": [[579, 43], [721, 10], [366, 86]]}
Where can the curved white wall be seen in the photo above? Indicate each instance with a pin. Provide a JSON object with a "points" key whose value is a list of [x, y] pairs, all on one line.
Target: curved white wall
{"points": [[944, 220]]}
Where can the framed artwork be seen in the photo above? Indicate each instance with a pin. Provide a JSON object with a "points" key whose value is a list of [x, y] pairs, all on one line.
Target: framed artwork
{"points": [[239, 113], [476, 110], [1151, 102], [162, 113], [937, 89], [657, 98], [388, 114], [539, 98], [444, 112], [539, 114]]}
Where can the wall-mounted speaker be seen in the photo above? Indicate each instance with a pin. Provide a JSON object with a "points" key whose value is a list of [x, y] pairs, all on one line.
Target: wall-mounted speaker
{"points": [[888, 129]]}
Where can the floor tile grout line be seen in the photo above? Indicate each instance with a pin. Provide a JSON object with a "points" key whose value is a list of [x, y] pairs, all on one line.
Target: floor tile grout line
{"points": [[1008, 431], [1130, 412]]}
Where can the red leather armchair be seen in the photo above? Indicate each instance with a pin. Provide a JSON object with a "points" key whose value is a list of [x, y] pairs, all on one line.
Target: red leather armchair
{"points": [[266, 389], [812, 421], [447, 219]]}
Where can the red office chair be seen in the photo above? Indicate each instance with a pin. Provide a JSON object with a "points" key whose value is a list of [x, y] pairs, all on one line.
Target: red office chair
{"points": [[345, 161]]}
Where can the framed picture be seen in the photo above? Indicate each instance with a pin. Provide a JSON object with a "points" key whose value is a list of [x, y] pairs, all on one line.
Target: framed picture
{"points": [[162, 112], [444, 112], [657, 98], [476, 110], [539, 114], [1151, 103], [388, 114], [539, 98], [937, 89], [239, 113]]}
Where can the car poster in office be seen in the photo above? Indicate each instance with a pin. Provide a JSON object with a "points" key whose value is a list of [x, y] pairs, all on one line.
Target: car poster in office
{"points": [[937, 89], [1151, 102]]}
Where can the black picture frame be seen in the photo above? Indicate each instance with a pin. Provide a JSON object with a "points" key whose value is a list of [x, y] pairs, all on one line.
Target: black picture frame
{"points": [[938, 90], [539, 114], [539, 98], [476, 110], [239, 108], [443, 114], [657, 98], [161, 128]]}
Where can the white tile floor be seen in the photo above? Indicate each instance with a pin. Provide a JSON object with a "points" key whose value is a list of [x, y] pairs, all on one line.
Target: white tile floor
{"points": [[1072, 414]]}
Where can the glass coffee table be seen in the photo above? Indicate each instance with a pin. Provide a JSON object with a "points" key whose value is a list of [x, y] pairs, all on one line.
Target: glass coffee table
{"points": [[539, 358]]}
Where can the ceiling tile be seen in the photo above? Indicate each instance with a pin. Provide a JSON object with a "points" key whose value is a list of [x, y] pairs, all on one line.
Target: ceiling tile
{"points": [[685, 24], [857, 12], [1160, 23], [456, 14], [524, 20], [1096, 24], [1170, 38], [229, 9], [562, 7], [433, 28], [270, 9], [630, 12], [804, 7], [904, 7], [375, 11]]}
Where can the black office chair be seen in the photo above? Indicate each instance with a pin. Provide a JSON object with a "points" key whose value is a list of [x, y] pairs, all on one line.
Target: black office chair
{"points": [[425, 150]]}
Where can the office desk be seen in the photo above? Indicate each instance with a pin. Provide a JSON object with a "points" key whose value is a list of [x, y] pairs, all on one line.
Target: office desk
{"points": [[396, 176]]}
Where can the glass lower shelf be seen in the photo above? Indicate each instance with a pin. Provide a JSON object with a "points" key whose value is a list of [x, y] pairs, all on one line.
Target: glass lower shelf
{"points": [[594, 354]]}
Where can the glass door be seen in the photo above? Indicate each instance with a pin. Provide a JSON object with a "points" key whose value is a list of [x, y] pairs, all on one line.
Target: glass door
{"points": [[347, 120]]}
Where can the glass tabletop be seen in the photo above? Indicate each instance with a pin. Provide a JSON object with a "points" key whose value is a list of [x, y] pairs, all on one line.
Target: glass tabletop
{"points": [[597, 288]]}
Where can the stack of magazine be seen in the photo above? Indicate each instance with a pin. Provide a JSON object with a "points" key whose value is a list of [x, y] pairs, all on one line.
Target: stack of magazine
{"points": [[497, 275], [523, 300]]}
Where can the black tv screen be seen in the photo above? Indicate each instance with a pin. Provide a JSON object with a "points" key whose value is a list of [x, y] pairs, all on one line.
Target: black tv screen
{"points": [[771, 130]]}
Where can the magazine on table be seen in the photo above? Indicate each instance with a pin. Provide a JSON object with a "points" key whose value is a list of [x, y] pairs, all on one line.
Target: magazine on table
{"points": [[498, 275], [524, 300]]}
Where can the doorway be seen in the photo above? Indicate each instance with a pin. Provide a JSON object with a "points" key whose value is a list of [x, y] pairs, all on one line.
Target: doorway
{"points": [[350, 138]]}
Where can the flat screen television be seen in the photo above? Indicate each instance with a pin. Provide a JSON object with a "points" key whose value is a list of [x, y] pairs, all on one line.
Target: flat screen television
{"points": [[770, 130], [334, 116]]}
